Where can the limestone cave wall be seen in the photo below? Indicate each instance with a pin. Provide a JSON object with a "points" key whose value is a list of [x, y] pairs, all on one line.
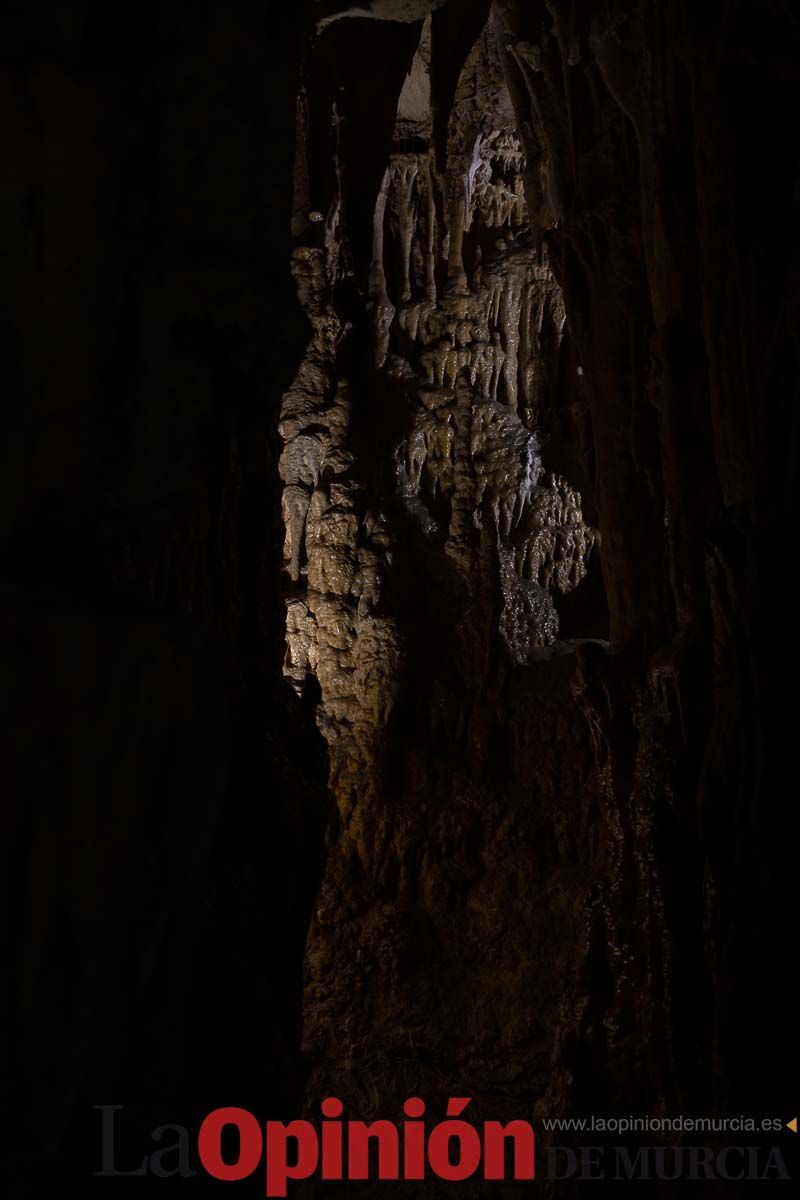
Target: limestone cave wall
{"points": [[397, 517], [552, 337]]}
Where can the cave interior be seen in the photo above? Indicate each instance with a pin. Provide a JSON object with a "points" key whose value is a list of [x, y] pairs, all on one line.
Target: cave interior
{"points": [[399, 456]]}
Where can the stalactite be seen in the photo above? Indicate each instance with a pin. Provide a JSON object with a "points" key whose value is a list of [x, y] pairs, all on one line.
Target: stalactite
{"points": [[456, 276], [380, 306], [430, 255], [463, 365], [403, 175]]}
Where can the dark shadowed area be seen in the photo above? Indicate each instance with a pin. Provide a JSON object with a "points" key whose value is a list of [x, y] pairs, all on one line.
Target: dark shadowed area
{"points": [[399, 443]]}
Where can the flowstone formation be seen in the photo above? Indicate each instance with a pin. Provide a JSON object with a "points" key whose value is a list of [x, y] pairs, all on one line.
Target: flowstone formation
{"points": [[335, 548], [457, 300]]}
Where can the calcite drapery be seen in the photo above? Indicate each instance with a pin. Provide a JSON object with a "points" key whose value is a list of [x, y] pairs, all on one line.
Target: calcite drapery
{"points": [[456, 297]]}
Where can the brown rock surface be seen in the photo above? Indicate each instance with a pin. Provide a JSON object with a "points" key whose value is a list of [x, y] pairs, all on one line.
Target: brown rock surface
{"points": [[482, 320]]}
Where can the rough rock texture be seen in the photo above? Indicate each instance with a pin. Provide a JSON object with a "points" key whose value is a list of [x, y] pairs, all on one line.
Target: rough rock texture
{"points": [[651, 135], [550, 865], [423, 539], [483, 318], [457, 364]]}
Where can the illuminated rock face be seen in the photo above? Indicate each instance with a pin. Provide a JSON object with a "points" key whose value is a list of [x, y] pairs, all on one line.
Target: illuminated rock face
{"points": [[456, 297], [556, 883], [529, 317], [427, 538]]}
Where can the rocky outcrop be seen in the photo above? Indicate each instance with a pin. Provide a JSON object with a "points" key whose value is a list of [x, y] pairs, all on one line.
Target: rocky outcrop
{"points": [[400, 450], [460, 361], [537, 332], [413, 432]]}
